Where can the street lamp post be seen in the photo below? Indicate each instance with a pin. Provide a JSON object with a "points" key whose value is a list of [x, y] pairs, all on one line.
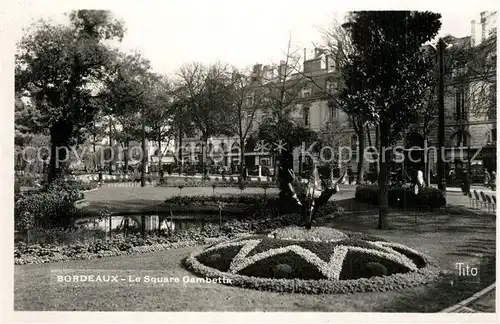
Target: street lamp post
{"points": [[441, 128]]}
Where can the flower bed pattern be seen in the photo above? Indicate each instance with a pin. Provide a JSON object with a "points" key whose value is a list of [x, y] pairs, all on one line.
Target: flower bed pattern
{"points": [[345, 265]]}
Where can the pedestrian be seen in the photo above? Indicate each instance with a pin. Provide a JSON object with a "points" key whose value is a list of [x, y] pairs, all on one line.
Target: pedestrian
{"points": [[493, 180], [466, 184], [487, 178], [420, 178], [350, 175]]}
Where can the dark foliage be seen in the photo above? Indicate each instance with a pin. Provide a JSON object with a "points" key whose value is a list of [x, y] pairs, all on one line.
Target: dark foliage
{"points": [[357, 265], [266, 268], [402, 197]]}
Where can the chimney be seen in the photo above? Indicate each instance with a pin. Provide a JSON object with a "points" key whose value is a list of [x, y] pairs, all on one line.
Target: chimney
{"points": [[473, 33], [305, 54], [281, 70]]}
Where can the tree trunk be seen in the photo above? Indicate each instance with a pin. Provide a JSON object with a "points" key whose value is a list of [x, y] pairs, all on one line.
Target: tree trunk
{"points": [[59, 136], [384, 158], [160, 169], [125, 156], [181, 166], [372, 152], [94, 139], [377, 144], [427, 169], [361, 156], [242, 157], [110, 147], [203, 153]]}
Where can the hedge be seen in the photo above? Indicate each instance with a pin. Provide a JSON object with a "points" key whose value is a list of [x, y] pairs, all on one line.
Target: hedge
{"points": [[215, 182], [253, 206], [402, 197]]}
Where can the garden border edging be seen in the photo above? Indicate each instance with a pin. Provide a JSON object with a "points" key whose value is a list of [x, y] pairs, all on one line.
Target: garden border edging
{"points": [[469, 300]]}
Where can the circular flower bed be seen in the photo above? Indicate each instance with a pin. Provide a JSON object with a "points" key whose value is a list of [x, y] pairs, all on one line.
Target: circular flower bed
{"points": [[321, 260]]}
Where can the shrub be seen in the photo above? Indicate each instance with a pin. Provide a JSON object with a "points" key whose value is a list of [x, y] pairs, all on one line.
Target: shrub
{"points": [[29, 180], [402, 197], [50, 207], [282, 271], [374, 269]]}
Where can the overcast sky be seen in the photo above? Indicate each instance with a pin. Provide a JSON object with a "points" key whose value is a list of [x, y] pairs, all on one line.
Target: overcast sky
{"points": [[171, 33]]}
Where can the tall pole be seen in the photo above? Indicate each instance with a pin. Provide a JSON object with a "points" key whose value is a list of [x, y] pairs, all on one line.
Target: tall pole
{"points": [[441, 164]]}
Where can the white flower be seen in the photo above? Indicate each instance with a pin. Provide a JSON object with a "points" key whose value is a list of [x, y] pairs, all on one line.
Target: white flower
{"points": [[331, 269], [337, 260]]}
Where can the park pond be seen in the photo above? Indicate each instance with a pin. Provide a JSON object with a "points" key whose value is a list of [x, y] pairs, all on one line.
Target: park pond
{"points": [[151, 222]]}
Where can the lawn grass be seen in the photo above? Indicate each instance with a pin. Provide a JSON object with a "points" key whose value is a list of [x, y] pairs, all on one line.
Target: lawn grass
{"points": [[446, 238], [147, 200]]}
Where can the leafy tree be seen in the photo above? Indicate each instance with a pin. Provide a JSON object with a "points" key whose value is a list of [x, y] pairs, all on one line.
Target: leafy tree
{"points": [[181, 122], [159, 114], [95, 134], [127, 97], [60, 69], [388, 76], [29, 155]]}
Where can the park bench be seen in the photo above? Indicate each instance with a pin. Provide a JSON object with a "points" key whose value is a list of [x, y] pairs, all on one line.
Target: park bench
{"points": [[484, 200], [492, 201]]}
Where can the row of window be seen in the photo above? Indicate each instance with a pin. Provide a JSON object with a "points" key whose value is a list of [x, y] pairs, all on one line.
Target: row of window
{"points": [[305, 93]]}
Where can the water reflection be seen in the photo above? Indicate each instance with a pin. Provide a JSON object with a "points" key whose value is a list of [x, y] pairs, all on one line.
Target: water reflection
{"points": [[151, 222]]}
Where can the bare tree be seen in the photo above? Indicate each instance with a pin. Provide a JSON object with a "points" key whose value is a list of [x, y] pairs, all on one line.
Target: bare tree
{"points": [[336, 134], [208, 93], [338, 47], [246, 102], [282, 89]]}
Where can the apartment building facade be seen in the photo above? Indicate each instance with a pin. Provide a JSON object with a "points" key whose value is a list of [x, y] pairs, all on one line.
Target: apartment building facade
{"points": [[470, 130], [310, 108]]}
